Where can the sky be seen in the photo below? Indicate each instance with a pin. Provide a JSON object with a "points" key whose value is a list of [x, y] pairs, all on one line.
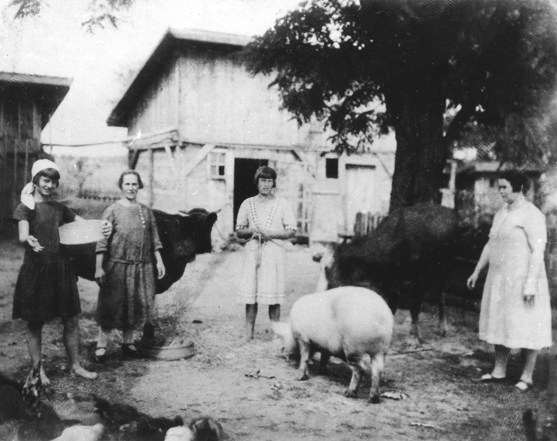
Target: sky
{"points": [[102, 64]]}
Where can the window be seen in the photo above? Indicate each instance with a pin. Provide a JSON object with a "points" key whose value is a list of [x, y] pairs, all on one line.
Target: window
{"points": [[331, 168], [217, 165]]}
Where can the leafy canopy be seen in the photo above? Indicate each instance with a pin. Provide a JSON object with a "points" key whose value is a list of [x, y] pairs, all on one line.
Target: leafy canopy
{"points": [[353, 65], [101, 12]]}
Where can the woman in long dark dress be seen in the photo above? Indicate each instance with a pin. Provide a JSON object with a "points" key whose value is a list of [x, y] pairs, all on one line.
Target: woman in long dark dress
{"points": [[125, 270], [47, 285]]}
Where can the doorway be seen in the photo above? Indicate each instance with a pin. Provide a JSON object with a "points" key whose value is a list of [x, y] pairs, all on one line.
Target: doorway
{"points": [[244, 171], [360, 192]]}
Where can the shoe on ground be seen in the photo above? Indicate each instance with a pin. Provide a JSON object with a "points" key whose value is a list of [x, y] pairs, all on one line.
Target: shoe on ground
{"points": [[489, 378], [130, 350], [523, 386]]}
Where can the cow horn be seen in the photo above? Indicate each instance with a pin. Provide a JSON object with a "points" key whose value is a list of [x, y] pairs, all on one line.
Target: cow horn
{"points": [[184, 213]]}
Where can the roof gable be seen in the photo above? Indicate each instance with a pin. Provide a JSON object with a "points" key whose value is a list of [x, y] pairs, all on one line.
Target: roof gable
{"points": [[48, 91], [172, 39]]}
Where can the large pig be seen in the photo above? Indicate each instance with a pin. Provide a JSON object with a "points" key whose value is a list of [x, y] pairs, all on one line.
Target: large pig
{"points": [[351, 323]]}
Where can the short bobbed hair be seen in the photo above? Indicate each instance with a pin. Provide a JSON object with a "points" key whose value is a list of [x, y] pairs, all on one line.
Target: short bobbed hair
{"points": [[50, 173], [130, 172], [518, 180], [265, 172]]}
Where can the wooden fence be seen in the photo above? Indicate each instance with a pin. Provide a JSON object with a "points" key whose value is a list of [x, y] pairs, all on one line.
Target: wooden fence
{"points": [[367, 222]]}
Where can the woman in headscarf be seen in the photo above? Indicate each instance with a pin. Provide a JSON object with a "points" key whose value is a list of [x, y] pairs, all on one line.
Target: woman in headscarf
{"points": [[47, 285]]}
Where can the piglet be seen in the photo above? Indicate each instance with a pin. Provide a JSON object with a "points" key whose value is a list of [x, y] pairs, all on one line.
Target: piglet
{"points": [[351, 323]]}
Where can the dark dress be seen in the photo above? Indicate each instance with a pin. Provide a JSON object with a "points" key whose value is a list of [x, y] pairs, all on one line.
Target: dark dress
{"points": [[128, 295], [47, 284]]}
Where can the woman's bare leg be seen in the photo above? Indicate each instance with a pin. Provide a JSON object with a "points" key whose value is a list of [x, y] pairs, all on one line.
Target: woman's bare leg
{"points": [[251, 314], [502, 355], [35, 347], [274, 312], [529, 356], [71, 342]]}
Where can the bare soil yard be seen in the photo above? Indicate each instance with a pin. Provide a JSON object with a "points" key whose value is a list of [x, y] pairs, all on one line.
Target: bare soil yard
{"points": [[252, 390]]}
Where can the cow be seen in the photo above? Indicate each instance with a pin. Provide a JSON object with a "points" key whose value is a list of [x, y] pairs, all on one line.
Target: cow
{"points": [[182, 236], [408, 255], [351, 323]]}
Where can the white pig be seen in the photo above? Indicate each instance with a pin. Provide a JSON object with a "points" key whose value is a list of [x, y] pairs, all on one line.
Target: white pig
{"points": [[351, 323]]}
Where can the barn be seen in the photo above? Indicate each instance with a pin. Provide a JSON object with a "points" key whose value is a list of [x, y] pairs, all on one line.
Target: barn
{"points": [[26, 104], [201, 125]]}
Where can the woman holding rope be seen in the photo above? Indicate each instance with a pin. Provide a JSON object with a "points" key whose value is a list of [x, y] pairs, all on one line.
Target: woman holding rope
{"points": [[266, 221]]}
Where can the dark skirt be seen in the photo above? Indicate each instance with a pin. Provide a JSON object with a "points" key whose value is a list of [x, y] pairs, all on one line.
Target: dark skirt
{"points": [[127, 298], [46, 290]]}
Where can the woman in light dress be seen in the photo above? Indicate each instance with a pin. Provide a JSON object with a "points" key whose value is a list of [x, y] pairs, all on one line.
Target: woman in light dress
{"points": [[515, 311], [266, 221]]}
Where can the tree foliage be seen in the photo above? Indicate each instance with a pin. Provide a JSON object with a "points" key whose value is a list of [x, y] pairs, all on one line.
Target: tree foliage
{"points": [[434, 70], [100, 12]]}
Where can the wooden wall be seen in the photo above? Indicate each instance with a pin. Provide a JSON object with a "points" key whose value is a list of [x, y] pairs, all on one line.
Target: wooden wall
{"points": [[211, 98], [222, 102], [20, 129]]}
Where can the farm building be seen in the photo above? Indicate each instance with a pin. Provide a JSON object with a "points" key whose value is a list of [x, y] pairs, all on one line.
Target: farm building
{"points": [[202, 125], [477, 188], [26, 104]]}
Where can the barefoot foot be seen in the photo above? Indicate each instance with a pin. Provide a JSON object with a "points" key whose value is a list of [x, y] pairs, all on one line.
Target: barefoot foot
{"points": [[44, 379], [80, 371]]}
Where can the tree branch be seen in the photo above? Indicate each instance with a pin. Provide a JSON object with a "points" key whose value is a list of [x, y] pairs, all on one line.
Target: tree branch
{"points": [[457, 124]]}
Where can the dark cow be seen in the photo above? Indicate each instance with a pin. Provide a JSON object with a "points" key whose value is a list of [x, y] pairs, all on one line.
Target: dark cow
{"points": [[407, 256], [182, 236]]}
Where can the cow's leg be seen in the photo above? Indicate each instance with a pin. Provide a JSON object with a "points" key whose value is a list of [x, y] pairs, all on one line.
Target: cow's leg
{"points": [[392, 302], [443, 326], [436, 284], [415, 314], [304, 358], [418, 295], [359, 366], [377, 364], [325, 356]]}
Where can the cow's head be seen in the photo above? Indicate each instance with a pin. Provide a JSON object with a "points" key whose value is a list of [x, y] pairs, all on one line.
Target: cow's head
{"points": [[185, 235], [197, 224]]}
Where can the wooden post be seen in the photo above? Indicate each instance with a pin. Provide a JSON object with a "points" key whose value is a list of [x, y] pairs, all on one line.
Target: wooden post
{"points": [[151, 176], [14, 183]]}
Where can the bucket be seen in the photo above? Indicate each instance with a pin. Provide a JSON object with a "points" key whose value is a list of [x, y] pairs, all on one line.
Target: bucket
{"points": [[185, 350]]}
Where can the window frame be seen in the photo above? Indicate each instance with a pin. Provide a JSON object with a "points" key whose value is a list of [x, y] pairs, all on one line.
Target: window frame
{"points": [[219, 153]]}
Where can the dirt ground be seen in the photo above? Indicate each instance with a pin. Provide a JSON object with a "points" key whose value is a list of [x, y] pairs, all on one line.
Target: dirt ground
{"points": [[252, 390]]}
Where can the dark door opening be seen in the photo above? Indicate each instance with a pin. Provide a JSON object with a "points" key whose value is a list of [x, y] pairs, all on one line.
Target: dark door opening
{"points": [[244, 170]]}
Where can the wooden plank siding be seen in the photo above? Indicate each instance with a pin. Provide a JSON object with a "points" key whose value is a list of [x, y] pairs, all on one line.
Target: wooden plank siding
{"points": [[223, 103], [20, 125], [158, 107]]}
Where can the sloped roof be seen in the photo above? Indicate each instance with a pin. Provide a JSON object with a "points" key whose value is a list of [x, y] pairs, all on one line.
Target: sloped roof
{"points": [[172, 39], [49, 91], [20, 78], [494, 167]]}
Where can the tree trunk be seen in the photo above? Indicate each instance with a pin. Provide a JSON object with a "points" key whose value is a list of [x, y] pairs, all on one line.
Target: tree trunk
{"points": [[421, 153]]}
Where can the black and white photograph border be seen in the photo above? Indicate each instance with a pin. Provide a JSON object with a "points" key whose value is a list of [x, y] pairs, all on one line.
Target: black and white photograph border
{"points": [[384, 126]]}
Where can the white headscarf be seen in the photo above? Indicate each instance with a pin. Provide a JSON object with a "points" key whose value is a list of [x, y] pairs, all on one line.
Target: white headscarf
{"points": [[27, 192]]}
